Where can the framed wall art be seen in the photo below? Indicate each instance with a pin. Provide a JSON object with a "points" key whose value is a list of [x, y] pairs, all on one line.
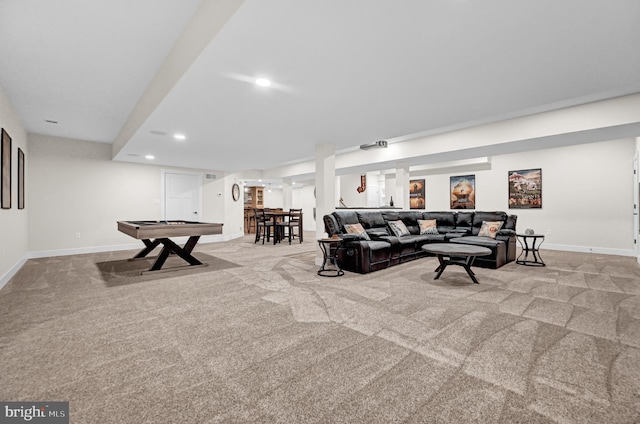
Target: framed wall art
{"points": [[5, 171], [463, 192], [525, 189], [416, 194], [20, 179]]}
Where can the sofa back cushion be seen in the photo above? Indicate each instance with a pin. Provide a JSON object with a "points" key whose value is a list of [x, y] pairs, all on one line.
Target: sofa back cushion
{"points": [[480, 217], [371, 219], [390, 215], [331, 225], [464, 221], [510, 223], [345, 217], [445, 221], [410, 220]]}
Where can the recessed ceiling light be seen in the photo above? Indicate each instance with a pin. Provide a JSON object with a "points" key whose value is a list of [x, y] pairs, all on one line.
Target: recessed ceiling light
{"points": [[149, 157], [263, 82], [179, 136]]}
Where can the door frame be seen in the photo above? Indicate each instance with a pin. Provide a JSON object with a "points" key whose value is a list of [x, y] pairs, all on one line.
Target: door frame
{"points": [[636, 205], [163, 189]]}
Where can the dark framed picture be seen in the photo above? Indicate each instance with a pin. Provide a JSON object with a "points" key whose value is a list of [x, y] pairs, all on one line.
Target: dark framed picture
{"points": [[525, 189], [463, 192], [416, 194], [20, 179], [5, 171]]}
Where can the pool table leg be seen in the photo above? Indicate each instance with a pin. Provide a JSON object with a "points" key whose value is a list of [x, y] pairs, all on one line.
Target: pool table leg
{"points": [[171, 247], [149, 246]]}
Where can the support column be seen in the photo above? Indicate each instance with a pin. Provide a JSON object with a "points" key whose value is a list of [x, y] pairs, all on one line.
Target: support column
{"points": [[401, 198], [287, 202], [325, 189]]}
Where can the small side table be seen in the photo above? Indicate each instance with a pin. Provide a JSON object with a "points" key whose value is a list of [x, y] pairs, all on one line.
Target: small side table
{"points": [[534, 249], [330, 266]]}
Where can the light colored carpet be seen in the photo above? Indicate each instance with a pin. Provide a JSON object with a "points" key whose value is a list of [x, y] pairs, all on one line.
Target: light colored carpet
{"points": [[269, 341]]}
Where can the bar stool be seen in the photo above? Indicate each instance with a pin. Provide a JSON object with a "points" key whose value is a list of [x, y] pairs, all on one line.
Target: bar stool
{"points": [[264, 226]]}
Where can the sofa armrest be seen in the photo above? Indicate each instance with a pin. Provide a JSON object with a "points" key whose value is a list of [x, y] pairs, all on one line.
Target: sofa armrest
{"points": [[377, 234], [350, 237], [507, 232]]}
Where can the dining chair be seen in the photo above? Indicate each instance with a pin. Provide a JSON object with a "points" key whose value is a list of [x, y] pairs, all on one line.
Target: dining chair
{"points": [[288, 228], [264, 226]]}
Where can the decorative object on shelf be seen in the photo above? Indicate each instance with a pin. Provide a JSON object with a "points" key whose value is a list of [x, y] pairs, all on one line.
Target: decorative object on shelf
{"points": [[391, 201], [5, 171], [375, 145], [416, 194], [529, 232], [235, 192], [463, 192], [363, 184], [525, 189]]}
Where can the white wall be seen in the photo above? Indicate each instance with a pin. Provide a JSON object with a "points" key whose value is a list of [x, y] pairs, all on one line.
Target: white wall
{"points": [[587, 194], [75, 187], [14, 221], [349, 193], [273, 198], [301, 197]]}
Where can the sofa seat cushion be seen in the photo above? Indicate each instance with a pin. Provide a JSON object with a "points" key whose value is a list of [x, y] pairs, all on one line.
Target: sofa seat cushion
{"points": [[477, 241], [498, 248], [378, 251]]}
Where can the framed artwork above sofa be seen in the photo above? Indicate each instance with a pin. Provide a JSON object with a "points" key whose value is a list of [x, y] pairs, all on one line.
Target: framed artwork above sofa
{"points": [[525, 189]]}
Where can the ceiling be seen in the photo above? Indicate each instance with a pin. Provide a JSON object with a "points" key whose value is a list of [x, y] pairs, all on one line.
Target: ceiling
{"points": [[346, 72]]}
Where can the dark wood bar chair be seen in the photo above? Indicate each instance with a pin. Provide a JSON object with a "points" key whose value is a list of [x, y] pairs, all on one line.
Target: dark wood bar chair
{"points": [[292, 227], [264, 226], [251, 217]]}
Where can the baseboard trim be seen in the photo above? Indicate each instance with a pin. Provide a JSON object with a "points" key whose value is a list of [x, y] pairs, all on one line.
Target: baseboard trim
{"points": [[12, 271], [586, 249]]}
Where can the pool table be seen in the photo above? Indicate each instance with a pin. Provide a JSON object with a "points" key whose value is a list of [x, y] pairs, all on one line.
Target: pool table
{"points": [[154, 233]]}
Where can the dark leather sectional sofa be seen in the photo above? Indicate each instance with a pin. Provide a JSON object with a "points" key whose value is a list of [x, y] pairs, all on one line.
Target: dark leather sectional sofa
{"points": [[385, 249]]}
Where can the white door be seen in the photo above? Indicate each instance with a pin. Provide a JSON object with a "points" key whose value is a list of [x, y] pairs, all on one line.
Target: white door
{"points": [[182, 196]]}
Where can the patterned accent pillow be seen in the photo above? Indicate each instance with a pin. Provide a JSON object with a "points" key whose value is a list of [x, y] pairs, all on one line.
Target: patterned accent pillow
{"points": [[398, 228], [428, 226], [357, 230], [490, 228]]}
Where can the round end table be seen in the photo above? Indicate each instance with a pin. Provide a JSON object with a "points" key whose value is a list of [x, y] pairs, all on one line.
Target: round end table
{"points": [[330, 266], [534, 249]]}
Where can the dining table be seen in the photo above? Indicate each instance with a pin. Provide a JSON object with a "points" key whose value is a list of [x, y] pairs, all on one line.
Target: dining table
{"points": [[278, 215]]}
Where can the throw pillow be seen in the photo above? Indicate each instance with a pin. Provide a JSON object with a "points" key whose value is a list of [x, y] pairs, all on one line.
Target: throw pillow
{"points": [[428, 226], [398, 228], [357, 230], [490, 228]]}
